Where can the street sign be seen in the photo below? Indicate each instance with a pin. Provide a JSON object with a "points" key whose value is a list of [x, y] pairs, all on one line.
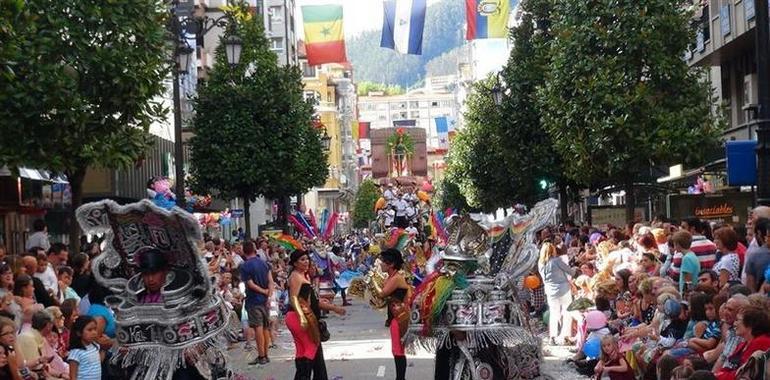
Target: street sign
{"points": [[236, 213]]}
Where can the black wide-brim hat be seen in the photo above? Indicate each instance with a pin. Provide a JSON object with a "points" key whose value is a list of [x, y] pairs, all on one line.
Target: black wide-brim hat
{"points": [[151, 260]]}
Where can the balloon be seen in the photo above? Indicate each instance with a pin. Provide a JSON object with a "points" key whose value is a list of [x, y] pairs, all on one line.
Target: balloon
{"points": [[380, 204], [427, 187], [423, 196], [595, 320], [546, 317], [593, 348], [531, 282]]}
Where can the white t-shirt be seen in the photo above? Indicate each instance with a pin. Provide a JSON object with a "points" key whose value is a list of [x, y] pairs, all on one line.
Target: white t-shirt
{"points": [[38, 239], [49, 280]]}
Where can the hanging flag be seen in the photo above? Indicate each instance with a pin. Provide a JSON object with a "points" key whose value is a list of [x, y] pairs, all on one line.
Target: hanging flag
{"points": [[402, 25], [442, 130], [354, 129], [487, 18], [363, 129], [324, 38]]}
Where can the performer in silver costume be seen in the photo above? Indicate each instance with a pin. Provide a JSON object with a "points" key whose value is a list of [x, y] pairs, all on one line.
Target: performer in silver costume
{"points": [[467, 311], [170, 322]]}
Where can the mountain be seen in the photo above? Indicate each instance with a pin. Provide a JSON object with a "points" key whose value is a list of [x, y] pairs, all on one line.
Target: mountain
{"points": [[444, 31]]}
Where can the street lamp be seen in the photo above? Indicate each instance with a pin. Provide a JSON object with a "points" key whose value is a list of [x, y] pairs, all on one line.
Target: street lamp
{"points": [[183, 27], [326, 141], [497, 93], [233, 47]]}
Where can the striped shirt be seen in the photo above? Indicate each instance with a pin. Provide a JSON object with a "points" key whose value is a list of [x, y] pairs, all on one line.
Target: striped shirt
{"points": [[706, 251], [89, 362], [732, 340]]}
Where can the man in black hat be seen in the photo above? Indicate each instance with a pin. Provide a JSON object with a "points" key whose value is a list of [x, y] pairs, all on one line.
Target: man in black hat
{"points": [[154, 269]]}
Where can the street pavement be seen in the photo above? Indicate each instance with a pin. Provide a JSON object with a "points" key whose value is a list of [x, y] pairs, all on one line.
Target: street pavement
{"points": [[359, 349]]}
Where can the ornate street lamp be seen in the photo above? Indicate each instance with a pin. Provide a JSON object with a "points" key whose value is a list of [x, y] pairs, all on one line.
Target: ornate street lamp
{"points": [[497, 93], [233, 46], [326, 141]]}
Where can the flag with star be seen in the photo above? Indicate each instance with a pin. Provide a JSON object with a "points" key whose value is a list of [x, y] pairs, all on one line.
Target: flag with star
{"points": [[324, 37], [402, 26]]}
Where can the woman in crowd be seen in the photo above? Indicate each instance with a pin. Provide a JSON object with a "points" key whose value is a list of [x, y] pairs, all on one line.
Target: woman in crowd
{"points": [[729, 266], [24, 290], [7, 341], [396, 290], [302, 319], [753, 325], [556, 276]]}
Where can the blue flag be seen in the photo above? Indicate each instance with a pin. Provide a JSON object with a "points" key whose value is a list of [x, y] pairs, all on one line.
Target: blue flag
{"points": [[402, 25]]}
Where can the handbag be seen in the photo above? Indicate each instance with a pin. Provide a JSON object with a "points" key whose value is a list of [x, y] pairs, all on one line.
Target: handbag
{"points": [[324, 331]]}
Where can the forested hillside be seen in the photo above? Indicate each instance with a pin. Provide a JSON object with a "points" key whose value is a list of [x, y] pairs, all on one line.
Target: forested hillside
{"points": [[444, 31]]}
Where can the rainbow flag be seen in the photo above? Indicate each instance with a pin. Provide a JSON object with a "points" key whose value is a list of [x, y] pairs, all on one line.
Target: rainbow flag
{"points": [[287, 242], [324, 37], [487, 18]]}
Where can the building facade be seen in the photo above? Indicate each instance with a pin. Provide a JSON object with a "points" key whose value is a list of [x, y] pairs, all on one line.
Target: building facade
{"points": [[725, 44], [422, 105]]}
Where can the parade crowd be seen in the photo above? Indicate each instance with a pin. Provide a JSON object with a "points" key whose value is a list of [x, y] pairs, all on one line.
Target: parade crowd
{"points": [[56, 324], [669, 299]]}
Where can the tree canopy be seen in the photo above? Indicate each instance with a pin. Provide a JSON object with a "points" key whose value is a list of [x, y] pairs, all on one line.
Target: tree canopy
{"points": [[619, 95], [253, 131], [363, 210], [80, 84]]}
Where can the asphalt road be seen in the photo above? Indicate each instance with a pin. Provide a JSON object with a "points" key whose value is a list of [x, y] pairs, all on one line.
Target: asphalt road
{"points": [[359, 349]]}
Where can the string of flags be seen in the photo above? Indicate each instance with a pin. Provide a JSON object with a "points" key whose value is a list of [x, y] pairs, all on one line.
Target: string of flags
{"points": [[402, 27]]}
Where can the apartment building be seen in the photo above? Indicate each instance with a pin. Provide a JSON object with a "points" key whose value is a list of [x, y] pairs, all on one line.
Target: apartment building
{"points": [[725, 44]]}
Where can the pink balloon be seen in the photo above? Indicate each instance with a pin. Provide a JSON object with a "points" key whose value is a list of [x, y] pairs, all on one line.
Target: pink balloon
{"points": [[426, 187], [595, 320]]}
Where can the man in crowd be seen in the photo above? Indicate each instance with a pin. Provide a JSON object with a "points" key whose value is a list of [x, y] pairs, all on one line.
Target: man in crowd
{"points": [[255, 274]]}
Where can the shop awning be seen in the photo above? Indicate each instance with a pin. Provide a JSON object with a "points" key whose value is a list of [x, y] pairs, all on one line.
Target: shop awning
{"points": [[35, 175]]}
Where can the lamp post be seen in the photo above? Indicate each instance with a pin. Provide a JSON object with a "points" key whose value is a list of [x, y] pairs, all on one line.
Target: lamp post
{"points": [[326, 141], [183, 26], [762, 44]]}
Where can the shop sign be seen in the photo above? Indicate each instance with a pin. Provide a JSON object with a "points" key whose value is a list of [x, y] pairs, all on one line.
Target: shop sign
{"points": [[719, 211]]}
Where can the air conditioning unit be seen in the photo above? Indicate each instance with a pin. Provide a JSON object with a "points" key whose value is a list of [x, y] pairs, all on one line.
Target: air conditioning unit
{"points": [[750, 89]]}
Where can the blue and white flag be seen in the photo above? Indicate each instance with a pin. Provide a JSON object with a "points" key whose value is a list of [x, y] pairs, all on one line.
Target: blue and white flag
{"points": [[442, 130], [402, 25]]}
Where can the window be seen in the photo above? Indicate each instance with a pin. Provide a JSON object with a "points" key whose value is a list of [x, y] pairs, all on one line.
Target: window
{"points": [[276, 43], [415, 114], [414, 104], [434, 104], [274, 14], [307, 70], [312, 95]]}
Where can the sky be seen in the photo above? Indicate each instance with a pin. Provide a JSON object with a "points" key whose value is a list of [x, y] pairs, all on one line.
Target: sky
{"points": [[360, 15]]}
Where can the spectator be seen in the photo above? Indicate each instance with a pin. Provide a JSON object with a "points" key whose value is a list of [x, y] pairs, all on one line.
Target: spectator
{"points": [[39, 238], [32, 342], [753, 325], [731, 339], [47, 274], [40, 294], [690, 266], [85, 353], [701, 246], [255, 274], [556, 276], [758, 257], [82, 279], [729, 265], [65, 280], [708, 278]]}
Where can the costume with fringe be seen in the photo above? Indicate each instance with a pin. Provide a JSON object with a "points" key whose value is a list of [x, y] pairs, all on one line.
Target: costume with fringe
{"points": [[467, 311], [189, 327]]}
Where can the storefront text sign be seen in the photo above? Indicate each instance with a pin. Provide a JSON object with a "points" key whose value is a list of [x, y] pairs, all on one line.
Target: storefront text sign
{"points": [[715, 211]]}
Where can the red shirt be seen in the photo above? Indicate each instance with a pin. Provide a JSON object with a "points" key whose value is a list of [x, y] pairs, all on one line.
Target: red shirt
{"points": [[746, 349], [741, 251]]}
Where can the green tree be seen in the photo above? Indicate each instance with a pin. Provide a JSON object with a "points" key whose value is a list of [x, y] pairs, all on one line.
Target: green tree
{"points": [[449, 195], [619, 96], [253, 130], [80, 84], [363, 210], [476, 158]]}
